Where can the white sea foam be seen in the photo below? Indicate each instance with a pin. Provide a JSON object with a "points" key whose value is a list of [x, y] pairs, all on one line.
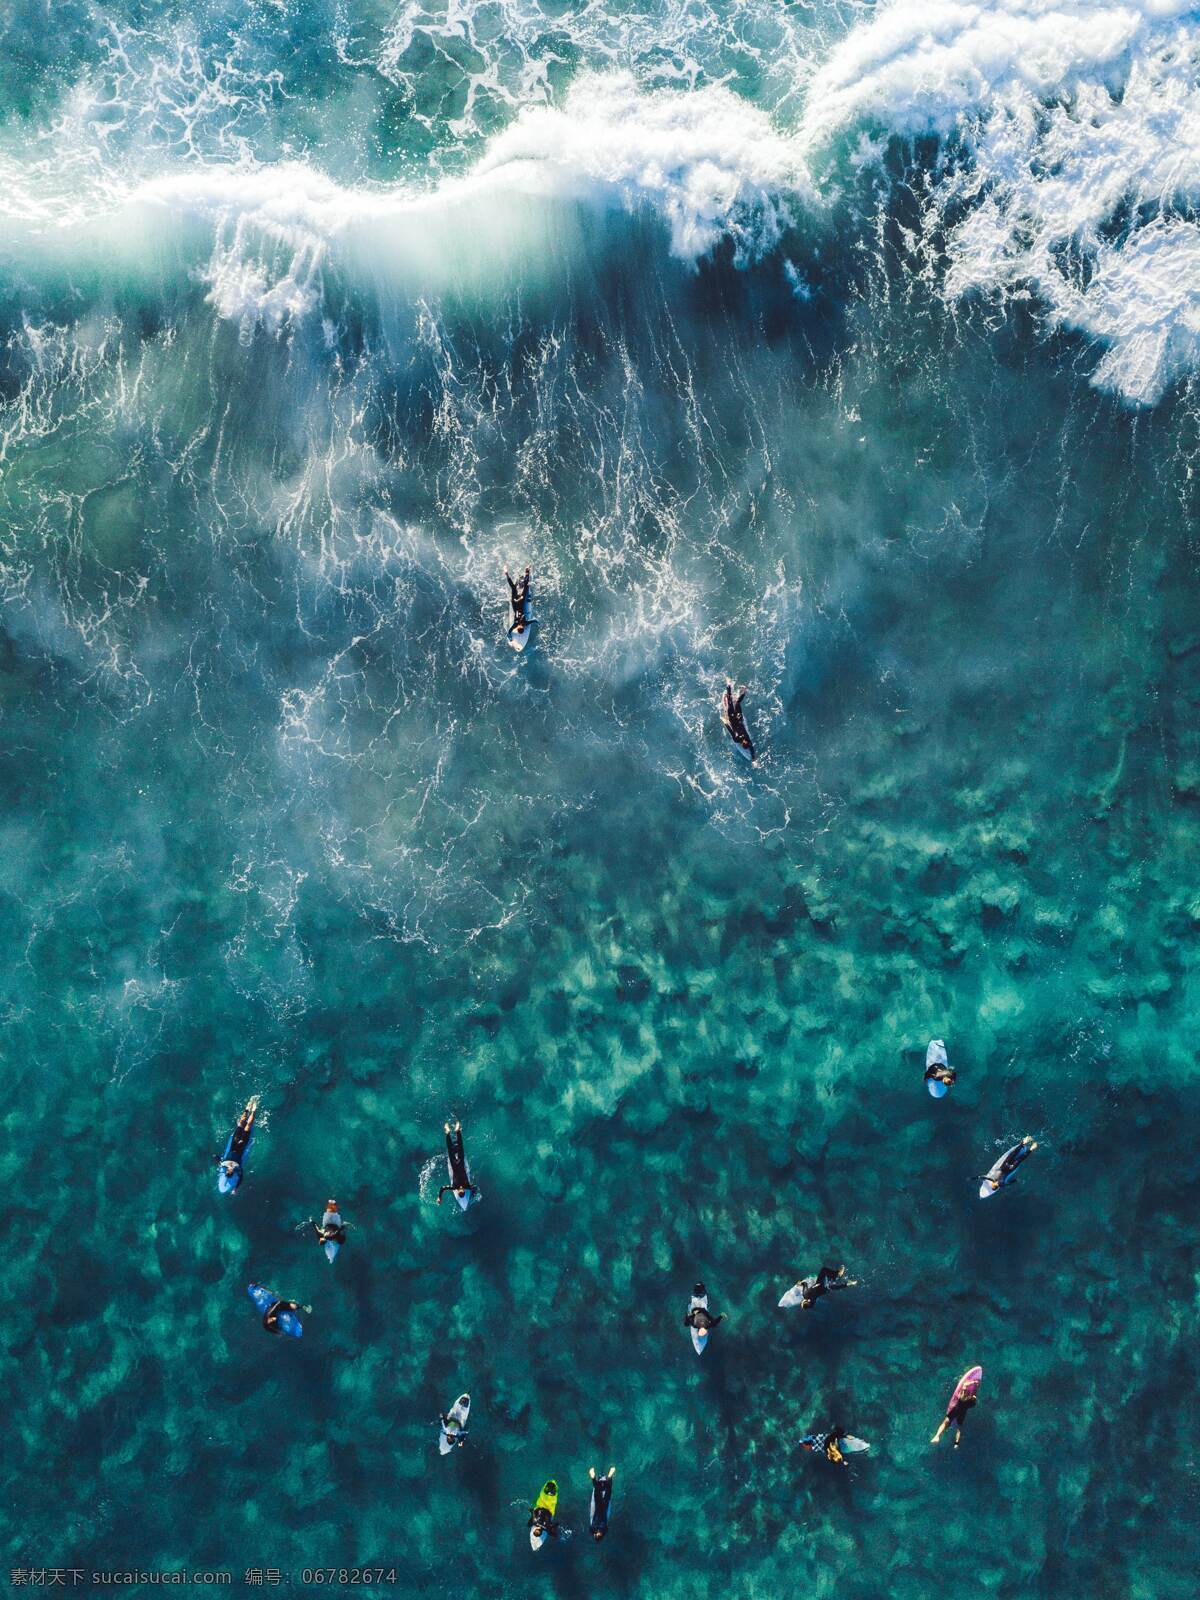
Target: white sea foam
{"points": [[1080, 131], [707, 164]]}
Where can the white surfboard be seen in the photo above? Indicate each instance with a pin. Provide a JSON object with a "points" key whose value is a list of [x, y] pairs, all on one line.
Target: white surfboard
{"points": [[518, 641], [331, 1219], [537, 1538], [850, 1446], [457, 1418], [793, 1297], [935, 1056], [699, 1335]]}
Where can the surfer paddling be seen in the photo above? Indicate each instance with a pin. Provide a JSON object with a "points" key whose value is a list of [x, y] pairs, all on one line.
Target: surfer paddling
{"points": [[808, 1291], [520, 602], [735, 721], [460, 1184], [966, 1394], [1005, 1170], [826, 1444]]}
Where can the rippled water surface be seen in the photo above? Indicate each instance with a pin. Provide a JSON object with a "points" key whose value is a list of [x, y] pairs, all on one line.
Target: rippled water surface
{"points": [[844, 350]]}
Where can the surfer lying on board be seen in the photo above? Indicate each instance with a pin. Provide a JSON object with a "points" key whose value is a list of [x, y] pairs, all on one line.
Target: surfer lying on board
{"points": [[939, 1072], [826, 1279], [601, 1496], [243, 1128], [520, 601], [735, 722], [542, 1519], [1005, 1171], [275, 1310], [454, 1429], [699, 1317], [827, 1444], [329, 1232], [460, 1182], [956, 1413]]}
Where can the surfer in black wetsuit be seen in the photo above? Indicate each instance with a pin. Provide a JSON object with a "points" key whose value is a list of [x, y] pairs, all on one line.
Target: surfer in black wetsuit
{"points": [[827, 1278], [1013, 1158], [331, 1232], [601, 1495], [460, 1182], [735, 722], [699, 1317], [956, 1415], [231, 1164], [542, 1518], [827, 1444], [939, 1072], [520, 600], [273, 1312]]}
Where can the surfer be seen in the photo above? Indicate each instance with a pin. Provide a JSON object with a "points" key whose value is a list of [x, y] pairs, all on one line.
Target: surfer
{"points": [[541, 1520], [827, 1278], [700, 1317], [273, 1312], [939, 1072], [964, 1397], [460, 1182], [826, 1444], [231, 1161], [1005, 1169], [732, 717], [601, 1495], [331, 1229], [453, 1429], [520, 600]]}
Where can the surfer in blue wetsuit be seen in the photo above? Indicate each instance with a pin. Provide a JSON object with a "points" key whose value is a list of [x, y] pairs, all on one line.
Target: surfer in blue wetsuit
{"points": [[826, 1444], [460, 1182], [827, 1278], [520, 601], [601, 1496], [231, 1162]]}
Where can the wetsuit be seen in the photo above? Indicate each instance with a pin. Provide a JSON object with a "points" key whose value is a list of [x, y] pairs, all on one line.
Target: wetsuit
{"points": [[735, 721], [520, 595], [813, 1288], [699, 1318], [540, 1517], [941, 1073], [271, 1314], [601, 1495], [243, 1130], [956, 1411], [456, 1156], [1012, 1159], [330, 1231]]}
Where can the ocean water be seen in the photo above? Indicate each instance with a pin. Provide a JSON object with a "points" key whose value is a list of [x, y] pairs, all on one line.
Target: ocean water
{"points": [[849, 350]]}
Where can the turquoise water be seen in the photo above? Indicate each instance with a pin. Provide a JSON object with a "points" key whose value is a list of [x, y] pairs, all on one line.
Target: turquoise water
{"points": [[313, 320]]}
